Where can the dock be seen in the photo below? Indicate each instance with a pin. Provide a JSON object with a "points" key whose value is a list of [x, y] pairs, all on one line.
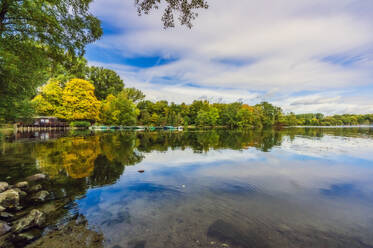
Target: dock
{"points": [[137, 128], [42, 123]]}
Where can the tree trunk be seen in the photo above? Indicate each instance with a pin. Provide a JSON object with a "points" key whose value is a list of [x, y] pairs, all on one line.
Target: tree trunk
{"points": [[3, 10]]}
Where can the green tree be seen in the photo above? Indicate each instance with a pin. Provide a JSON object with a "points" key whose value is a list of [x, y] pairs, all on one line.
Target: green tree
{"points": [[245, 117], [208, 117], [54, 24], [119, 110], [106, 81], [194, 108], [291, 119], [228, 114], [134, 94], [202, 118], [71, 67], [146, 110], [270, 114], [22, 70], [155, 120]]}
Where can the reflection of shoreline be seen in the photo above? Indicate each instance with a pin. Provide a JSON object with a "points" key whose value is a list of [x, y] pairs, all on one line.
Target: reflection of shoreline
{"points": [[37, 135], [76, 154], [343, 126]]}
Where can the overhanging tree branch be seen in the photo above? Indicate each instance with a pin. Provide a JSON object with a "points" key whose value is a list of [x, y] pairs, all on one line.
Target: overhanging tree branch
{"points": [[186, 10]]}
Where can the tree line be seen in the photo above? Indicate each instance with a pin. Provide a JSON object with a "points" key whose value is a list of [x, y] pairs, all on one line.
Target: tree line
{"points": [[100, 96], [318, 119]]}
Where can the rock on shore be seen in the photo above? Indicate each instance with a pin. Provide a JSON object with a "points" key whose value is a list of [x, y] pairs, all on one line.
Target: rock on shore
{"points": [[35, 188], [9, 199], [36, 177], [3, 186], [35, 218], [40, 196], [25, 208], [4, 228], [74, 235], [22, 185]]}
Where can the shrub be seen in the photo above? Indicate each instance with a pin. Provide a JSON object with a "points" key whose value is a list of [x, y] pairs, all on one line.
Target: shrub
{"points": [[85, 124]]}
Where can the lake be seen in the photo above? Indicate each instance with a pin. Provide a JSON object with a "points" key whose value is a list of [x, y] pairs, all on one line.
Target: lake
{"points": [[301, 187]]}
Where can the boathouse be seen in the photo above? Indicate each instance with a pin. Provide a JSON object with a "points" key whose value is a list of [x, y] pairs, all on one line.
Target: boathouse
{"points": [[43, 122]]}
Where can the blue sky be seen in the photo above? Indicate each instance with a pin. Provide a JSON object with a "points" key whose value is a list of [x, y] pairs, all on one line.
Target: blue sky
{"points": [[303, 55]]}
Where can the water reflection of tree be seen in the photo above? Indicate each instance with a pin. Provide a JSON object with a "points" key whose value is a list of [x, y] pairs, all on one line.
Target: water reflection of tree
{"points": [[117, 151], [317, 132], [72, 156], [101, 158], [14, 156], [120, 147], [79, 155], [203, 141]]}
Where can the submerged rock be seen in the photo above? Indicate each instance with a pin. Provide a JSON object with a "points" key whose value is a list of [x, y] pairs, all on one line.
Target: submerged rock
{"points": [[35, 188], [5, 241], [141, 171], [70, 235], [228, 233], [9, 199], [22, 185], [50, 207], [3, 186], [6, 216], [4, 228], [40, 196], [35, 218], [137, 244], [24, 238], [2, 209], [36, 177]]}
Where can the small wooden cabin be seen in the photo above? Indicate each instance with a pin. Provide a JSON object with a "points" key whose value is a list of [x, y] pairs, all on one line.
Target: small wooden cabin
{"points": [[44, 122]]}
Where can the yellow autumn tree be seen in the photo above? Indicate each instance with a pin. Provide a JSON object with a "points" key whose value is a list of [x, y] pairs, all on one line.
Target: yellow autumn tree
{"points": [[49, 99], [79, 101]]}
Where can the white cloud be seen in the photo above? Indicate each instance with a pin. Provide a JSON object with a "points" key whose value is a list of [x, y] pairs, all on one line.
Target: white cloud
{"points": [[286, 41]]}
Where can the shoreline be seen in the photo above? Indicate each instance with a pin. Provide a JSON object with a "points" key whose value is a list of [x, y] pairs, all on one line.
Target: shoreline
{"points": [[5, 130]]}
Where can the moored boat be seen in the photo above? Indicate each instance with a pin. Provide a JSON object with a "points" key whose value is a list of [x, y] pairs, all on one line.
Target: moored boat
{"points": [[169, 128]]}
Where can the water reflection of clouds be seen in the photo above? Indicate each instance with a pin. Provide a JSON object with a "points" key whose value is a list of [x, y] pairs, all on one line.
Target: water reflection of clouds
{"points": [[342, 190], [303, 164], [330, 147], [100, 202], [177, 158], [294, 180]]}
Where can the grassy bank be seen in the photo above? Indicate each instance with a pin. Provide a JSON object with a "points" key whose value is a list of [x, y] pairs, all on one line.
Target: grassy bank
{"points": [[6, 128]]}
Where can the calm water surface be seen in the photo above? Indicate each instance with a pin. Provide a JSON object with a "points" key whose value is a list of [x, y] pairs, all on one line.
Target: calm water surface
{"points": [[290, 188]]}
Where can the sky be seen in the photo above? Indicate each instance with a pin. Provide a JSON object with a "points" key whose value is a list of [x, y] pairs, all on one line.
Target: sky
{"points": [[302, 55]]}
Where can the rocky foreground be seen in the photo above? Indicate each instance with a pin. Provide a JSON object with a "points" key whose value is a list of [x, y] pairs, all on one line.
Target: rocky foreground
{"points": [[25, 208], [18, 226]]}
